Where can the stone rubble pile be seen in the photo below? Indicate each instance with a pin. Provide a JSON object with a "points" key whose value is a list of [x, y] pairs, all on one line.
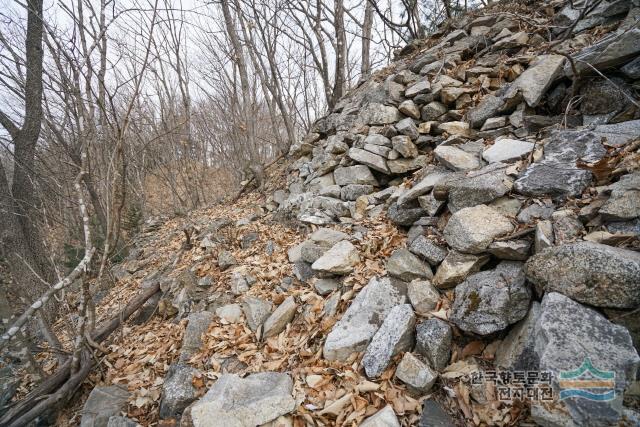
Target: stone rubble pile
{"points": [[476, 147], [473, 148]]}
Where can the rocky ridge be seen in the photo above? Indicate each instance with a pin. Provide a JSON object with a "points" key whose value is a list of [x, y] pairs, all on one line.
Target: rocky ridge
{"points": [[465, 214]]}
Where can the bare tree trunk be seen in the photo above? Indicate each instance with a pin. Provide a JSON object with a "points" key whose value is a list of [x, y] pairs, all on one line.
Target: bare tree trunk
{"points": [[341, 51], [244, 79], [22, 242], [367, 24]]}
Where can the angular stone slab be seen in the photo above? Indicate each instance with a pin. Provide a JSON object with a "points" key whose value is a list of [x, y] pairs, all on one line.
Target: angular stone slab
{"points": [[352, 333]]}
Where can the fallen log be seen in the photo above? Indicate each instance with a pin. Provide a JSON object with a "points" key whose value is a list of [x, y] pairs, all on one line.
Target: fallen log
{"points": [[61, 385]]}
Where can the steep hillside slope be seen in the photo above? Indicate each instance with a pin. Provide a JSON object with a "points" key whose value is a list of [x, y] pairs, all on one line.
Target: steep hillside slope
{"points": [[455, 244]]}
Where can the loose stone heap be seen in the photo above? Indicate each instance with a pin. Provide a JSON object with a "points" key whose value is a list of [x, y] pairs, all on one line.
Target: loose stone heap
{"points": [[473, 148], [521, 208]]}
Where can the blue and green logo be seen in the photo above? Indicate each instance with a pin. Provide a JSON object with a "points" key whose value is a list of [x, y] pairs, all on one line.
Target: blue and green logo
{"points": [[588, 382]]}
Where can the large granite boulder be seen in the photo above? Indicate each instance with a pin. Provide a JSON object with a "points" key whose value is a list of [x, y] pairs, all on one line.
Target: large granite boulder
{"points": [[178, 391], [406, 266], [592, 273], [517, 350], [433, 341], [556, 175], [396, 334], [102, 403], [192, 339], [572, 339], [245, 402], [352, 333], [340, 259], [473, 229], [489, 301]]}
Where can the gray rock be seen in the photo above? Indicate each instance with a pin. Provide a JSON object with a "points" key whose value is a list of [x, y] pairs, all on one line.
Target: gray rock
{"points": [[556, 174], [119, 421], [331, 305], [477, 187], [245, 402], [378, 114], [401, 166], [473, 229], [403, 145], [534, 82], [428, 250], [408, 128], [404, 216], [396, 334], [358, 174], [192, 338], [406, 266], [604, 97], [614, 49], [377, 139], [369, 159], [294, 253], [592, 273], [205, 282], [517, 351], [515, 250], [351, 192], [488, 107], [433, 341], [328, 236], [238, 283], [507, 150], [544, 236], [102, 403], [379, 150], [303, 271], [433, 111], [8, 382], [177, 390], [226, 260], [632, 69], [512, 41], [494, 123], [423, 86], [434, 416], [455, 158], [566, 226], [311, 250], [416, 374], [325, 286], [506, 206], [352, 333], [433, 176], [231, 313], [431, 204], [456, 267], [489, 301], [280, 317], [624, 202], [568, 335], [454, 128], [322, 183], [340, 259], [279, 196], [248, 240], [385, 417], [256, 311], [535, 211], [423, 296]]}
